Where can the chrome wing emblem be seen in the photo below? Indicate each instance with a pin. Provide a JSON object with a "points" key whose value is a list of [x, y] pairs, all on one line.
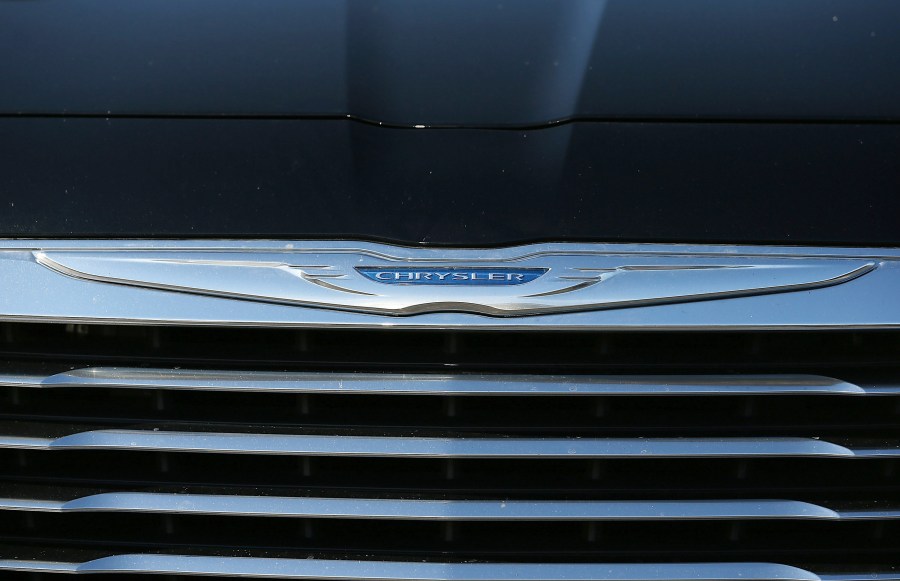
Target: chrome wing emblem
{"points": [[424, 280]]}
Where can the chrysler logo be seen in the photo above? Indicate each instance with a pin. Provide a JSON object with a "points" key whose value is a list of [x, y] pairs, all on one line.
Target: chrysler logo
{"points": [[396, 281], [451, 275]]}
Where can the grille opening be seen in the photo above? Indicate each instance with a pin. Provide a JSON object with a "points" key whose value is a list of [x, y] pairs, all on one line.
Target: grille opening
{"points": [[68, 474], [855, 355], [791, 542], [585, 416]]}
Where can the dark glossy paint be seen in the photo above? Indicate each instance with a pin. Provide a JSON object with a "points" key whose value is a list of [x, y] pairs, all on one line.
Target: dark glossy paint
{"points": [[743, 121], [459, 62], [677, 182]]}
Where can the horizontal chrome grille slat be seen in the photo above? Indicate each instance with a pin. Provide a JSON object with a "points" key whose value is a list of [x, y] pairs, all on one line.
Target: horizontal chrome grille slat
{"points": [[437, 384], [445, 510], [348, 570], [429, 447]]}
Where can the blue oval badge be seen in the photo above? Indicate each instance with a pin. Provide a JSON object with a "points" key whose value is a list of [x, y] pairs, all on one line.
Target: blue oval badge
{"points": [[451, 275]]}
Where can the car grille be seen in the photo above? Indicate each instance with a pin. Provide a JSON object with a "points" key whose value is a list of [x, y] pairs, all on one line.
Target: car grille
{"points": [[470, 455]]}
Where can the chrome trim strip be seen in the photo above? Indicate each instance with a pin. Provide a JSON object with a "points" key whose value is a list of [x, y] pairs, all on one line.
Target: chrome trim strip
{"points": [[420, 447], [445, 510], [703, 272], [438, 384], [415, 253], [570, 283], [346, 570], [25, 566]]}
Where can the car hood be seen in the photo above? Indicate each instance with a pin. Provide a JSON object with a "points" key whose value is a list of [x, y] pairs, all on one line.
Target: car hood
{"points": [[460, 63]]}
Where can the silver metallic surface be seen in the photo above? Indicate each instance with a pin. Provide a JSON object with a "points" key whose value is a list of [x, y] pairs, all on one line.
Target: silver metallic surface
{"points": [[419, 447], [347, 570], [268, 283], [446, 510], [573, 281], [440, 384], [443, 384]]}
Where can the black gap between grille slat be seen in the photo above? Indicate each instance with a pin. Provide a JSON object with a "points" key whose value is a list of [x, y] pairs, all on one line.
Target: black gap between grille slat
{"points": [[783, 415], [797, 479], [777, 541], [851, 354], [67, 554]]}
